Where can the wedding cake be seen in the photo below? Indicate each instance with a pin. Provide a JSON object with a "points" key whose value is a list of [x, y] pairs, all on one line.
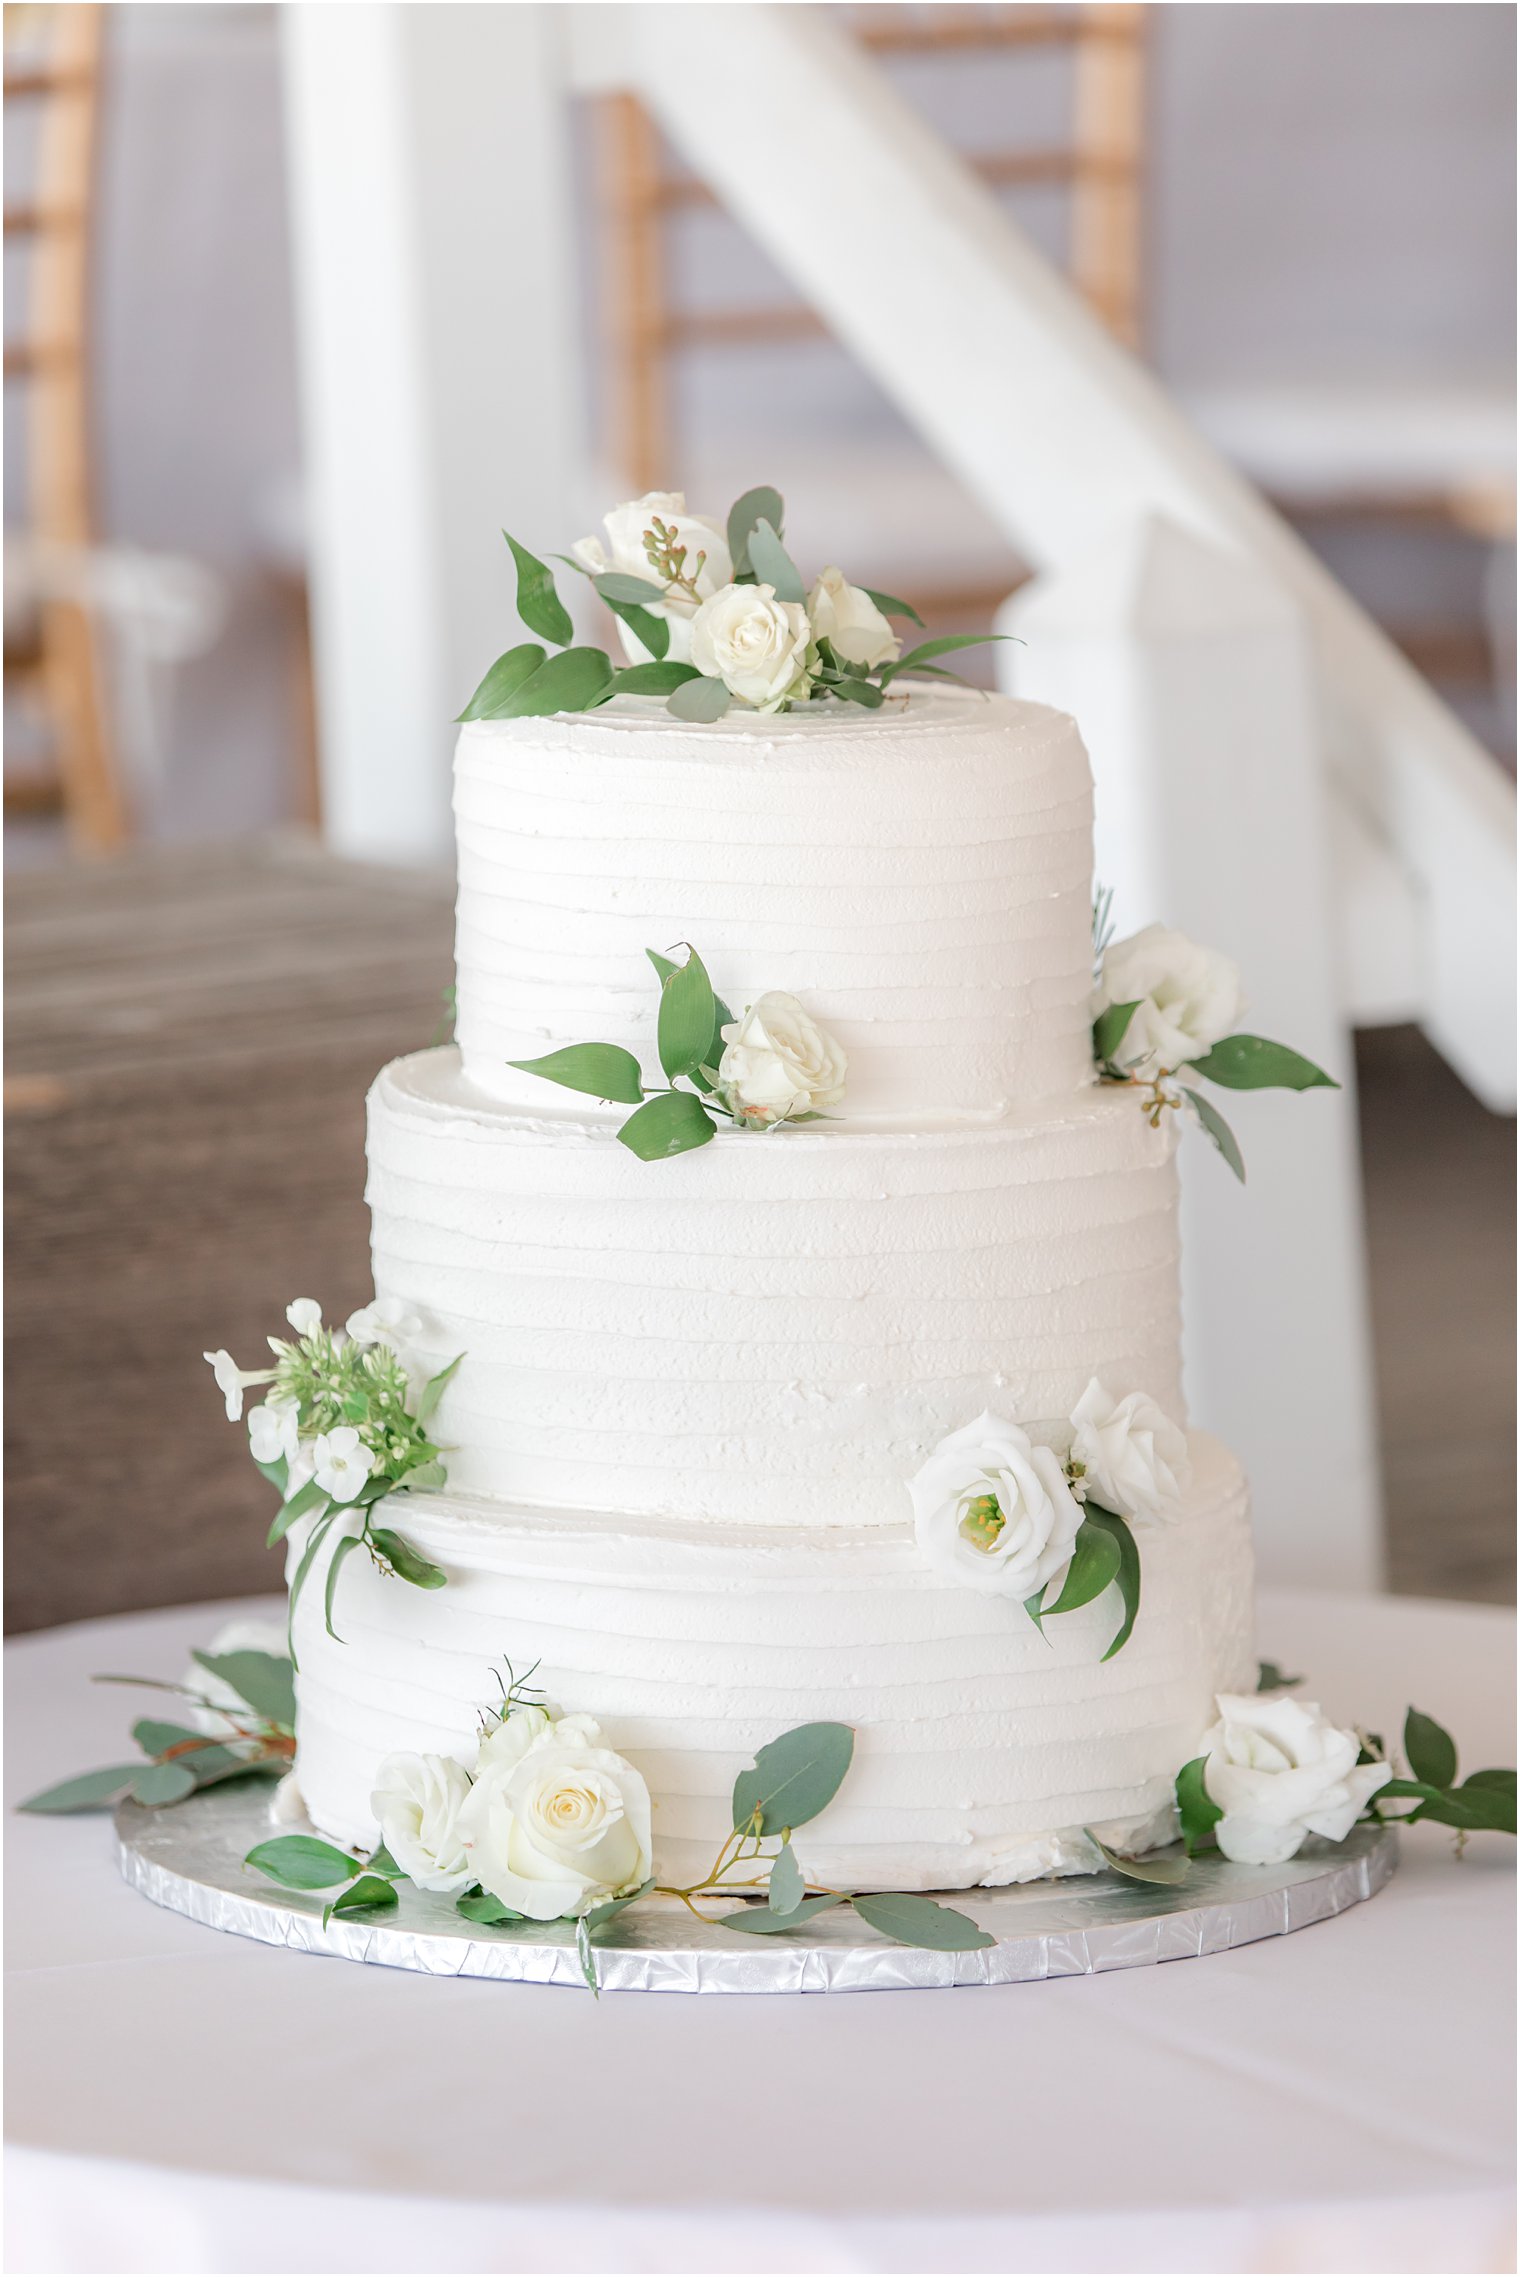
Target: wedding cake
{"points": [[691, 1442]]}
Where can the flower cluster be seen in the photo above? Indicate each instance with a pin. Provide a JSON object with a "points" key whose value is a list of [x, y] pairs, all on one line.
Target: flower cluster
{"points": [[995, 1512], [709, 614], [1164, 1008], [343, 1425], [774, 1066]]}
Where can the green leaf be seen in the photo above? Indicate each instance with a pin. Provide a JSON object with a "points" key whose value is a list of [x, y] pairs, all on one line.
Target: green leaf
{"points": [[722, 1018], [304, 1499], [1219, 1131], [538, 604], [409, 1563], [1270, 1678], [1472, 1810], [504, 679], [1196, 1807], [890, 606], [1166, 1871], [945, 645], [160, 1783], [687, 1008], [277, 1473], [600, 1915], [341, 1549], [913, 1920], [635, 592], [155, 1738], [370, 1894], [699, 699], [773, 565], [90, 1791], [576, 680], [864, 692], [1094, 1564], [759, 1921], [383, 1863], [603, 1071], [787, 1888], [479, 1905], [263, 1679], [586, 1957], [759, 505], [672, 1122], [314, 1540], [653, 631], [1251, 1063], [302, 1862], [1109, 1030], [432, 1392], [1432, 1752], [794, 1777], [424, 1476], [1128, 1575], [652, 679], [1033, 1608], [1502, 1782]]}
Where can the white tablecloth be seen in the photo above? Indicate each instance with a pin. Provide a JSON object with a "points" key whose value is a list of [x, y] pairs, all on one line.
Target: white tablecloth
{"points": [[1339, 2100]]}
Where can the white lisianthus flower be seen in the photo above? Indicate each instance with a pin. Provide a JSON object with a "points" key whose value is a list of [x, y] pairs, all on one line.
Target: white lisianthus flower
{"points": [[384, 1321], [1134, 1456], [218, 1704], [273, 1430], [1279, 1770], [341, 1462], [779, 1062], [627, 528], [419, 1800], [1186, 998], [562, 1828], [847, 617], [305, 1316], [232, 1381], [993, 1512], [756, 645]]}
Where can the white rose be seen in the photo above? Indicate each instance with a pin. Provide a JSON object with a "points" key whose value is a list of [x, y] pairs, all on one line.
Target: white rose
{"points": [[1135, 1457], [419, 1801], [1279, 1769], [627, 528], [225, 1713], [562, 1828], [341, 1462], [1185, 999], [273, 1430], [994, 1512], [511, 1739], [779, 1062], [756, 645], [847, 617]]}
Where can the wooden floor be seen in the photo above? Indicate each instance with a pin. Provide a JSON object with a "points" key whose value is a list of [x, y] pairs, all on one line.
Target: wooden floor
{"points": [[191, 1038]]}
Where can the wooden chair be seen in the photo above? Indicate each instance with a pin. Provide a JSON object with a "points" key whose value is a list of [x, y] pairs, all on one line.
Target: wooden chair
{"points": [[52, 67]]}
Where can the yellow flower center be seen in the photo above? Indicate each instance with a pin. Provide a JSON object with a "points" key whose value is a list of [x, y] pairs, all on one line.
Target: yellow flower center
{"points": [[982, 1521]]}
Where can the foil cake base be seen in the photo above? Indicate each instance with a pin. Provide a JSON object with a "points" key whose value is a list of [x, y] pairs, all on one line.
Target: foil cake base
{"points": [[190, 1858]]}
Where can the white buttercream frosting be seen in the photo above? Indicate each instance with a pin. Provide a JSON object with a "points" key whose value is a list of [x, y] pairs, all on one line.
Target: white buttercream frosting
{"points": [[777, 1328], [982, 1750], [919, 876]]}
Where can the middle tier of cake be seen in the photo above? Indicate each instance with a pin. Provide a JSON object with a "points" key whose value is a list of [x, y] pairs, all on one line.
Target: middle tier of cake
{"points": [[774, 1330]]}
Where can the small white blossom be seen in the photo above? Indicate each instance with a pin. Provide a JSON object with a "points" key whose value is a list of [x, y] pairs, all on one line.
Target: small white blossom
{"points": [[341, 1462], [274, 1430], [305, 1316], [232, 1381], [384, 1321]]}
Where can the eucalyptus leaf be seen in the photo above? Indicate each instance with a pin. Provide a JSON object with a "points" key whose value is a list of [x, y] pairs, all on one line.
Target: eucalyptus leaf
{"points": [[305, 1499], [699, 699], [156, 1738], [672, 1122], [1109, 1031], [600, 1915], [1094, 1564], [1168, 1872], [1432, 1752], [1218, 1130], [1251, 1063], [787, 1888], [914, 1920], [341, 1549], [759, 505], [576, 680], [652, 679], [890, 606], [1197, 1810], [302, 1862], [479, 1905], [586, 1957], [160, 1783], [539, 606], [90, 1791], [794, 1777], [1270, 1678], [504, 679], [369, 1894], [603, 1071], [773, 565], [1128, 1574], [263, 1679], [432, 1392], [410, 1564], [759, 1921], [618, 585], [687, 1009]]}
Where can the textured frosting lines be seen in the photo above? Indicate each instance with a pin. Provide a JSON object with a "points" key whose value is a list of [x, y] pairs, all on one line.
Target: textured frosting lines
{"points": [[982, 1748], [776, 1329], [920, 877]]}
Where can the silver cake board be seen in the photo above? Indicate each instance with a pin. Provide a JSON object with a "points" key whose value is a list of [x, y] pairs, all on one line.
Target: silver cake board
{"points": [[189, 1857]]}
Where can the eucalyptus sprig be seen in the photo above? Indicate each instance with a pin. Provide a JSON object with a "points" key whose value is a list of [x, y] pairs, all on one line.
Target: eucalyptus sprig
{"points": [[258, 1739]]}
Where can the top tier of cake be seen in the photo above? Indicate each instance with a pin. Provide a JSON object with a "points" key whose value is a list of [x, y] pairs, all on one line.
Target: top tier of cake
{"points": [[920, 876]]}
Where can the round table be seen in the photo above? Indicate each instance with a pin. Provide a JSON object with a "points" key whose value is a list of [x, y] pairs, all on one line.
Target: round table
{"points": [[1337, 2100]]}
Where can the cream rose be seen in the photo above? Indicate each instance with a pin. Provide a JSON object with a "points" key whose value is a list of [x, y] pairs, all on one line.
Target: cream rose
{"points": [[994, 1512], [1185, 999], [624, 548], [756, 645], [563, 1827], [419, 1801], [1134, 1456], [1279, 1770], [847, 617], [779, 1062]]}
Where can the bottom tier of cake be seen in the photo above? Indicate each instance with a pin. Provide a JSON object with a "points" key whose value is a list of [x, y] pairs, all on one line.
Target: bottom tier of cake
{"points": [[983, 1748]]}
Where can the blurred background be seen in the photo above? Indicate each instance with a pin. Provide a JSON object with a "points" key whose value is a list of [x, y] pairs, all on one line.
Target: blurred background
{"points": [[1300, 218]]}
